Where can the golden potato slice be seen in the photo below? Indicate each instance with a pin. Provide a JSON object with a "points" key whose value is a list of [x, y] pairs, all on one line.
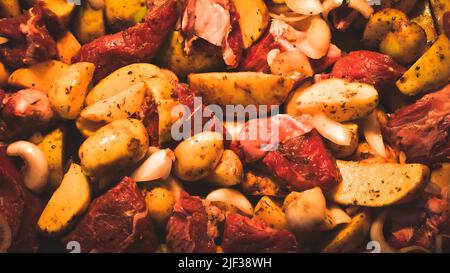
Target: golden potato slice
{"points": [[52, 145], [243, 88], [120, 106], [378, 184], [198, 156], [67, 46], [339, 99], [70, 200], [120, 80], [430, 71], [172, 56], [69, 90], [88, 23], [160, 202], [379, 24], [253, 19], [229, 171], [271, 213], [350, 236], [121, 14], [38, 76]]}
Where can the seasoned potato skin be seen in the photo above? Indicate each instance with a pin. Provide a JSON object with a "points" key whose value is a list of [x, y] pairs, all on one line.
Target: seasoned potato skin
{"points": [[379, 24], [67, 46], [403, 5], [121, 14], [89, 24], [197, 156], [270, 212], [229, 171], [160, 202], [430, 71], [53, 146], [114, 147], [405, 42]]}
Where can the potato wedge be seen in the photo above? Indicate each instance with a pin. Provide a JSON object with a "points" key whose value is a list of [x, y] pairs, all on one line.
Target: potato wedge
{"points": [[271, 213], [253, 19], [350, 236], [67, 46], [338, 98], [120, 80], [439, 7], [257, 183], [4, 75], [160, 202], [87, 128], [120, 106], [52, 145], [423, 17], [229, 171], [9, 8], [69, 90], [69, 201], [430, 71], [341, 151], [441, 176], [405, 42], [163, 95], [378, 184], [121, 14], [39, 76], [243, 88], [204, 151], [114, 148], [63, 10], [88, 23], [172, 56], [379, 24]]}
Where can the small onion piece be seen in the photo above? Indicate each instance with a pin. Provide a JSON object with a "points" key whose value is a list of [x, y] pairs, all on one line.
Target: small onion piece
{"points": [[231, 197], [285, 17], [5, 234], [372, 133], [362, 6], [96, 4], [318, 38], [272, 55], [328, 6], [175, 187], [331, 130], [440, 242], [377, 232], [305, 7], [157, 166], [339, 215]]}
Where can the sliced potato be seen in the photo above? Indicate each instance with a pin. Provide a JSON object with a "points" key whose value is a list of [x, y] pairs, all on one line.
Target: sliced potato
{"points": [[271, 213], [9, 8], [121, 14], [378, 184], [338, 98], [163, 95], [87, 128], [120, 80], [405, 42], [253, 19], [439, 7], [88, 23], [4, 75], [245, 88], [114, 148], [441, 176], [430, 71], [63, 10], [120, 106], [198, 156], [229, 171], [423, 17], [350, 236], [38, 76], [69, 90], [67, 46], [379, 24], [342, 151], [173, 57], [70, 200], [160, 202], [52, 145]]}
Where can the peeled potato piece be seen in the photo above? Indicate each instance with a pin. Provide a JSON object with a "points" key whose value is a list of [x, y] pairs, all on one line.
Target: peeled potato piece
{"points": [[70, 200], [378, 184]]}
